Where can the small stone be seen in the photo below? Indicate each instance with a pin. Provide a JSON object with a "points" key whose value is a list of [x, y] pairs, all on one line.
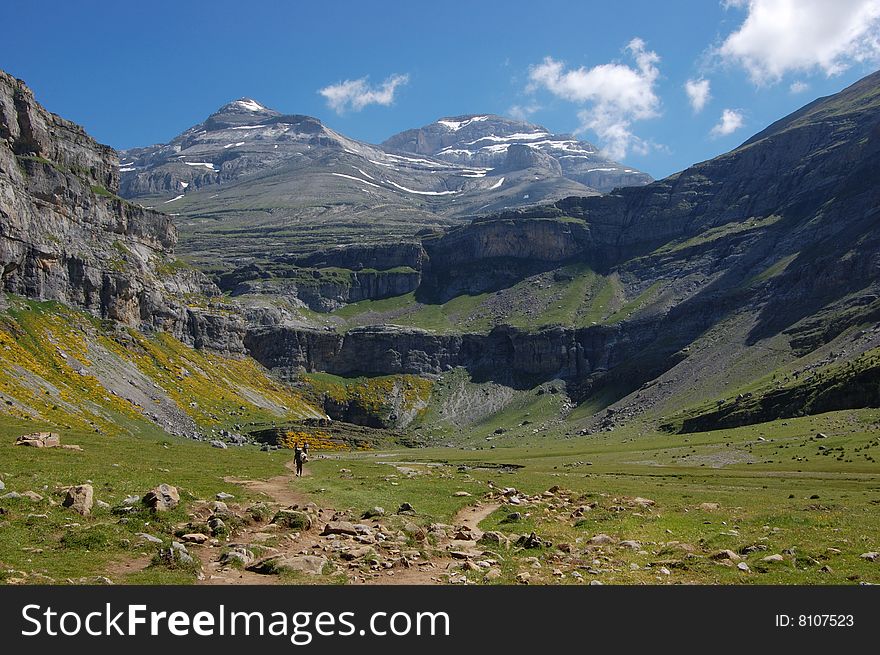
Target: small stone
{"points": [[742, 566], [870, 556], [709, 507], [595, 583], [632, 545], [601, 540], [373, 512], [493, 574], [224, 496], [31, 495], [523, 578], [461, 494], [665, 571], [218, 444], [726, 554], [771, 559], [102, 504], [405, 508], [149, 537], [194, 538]]}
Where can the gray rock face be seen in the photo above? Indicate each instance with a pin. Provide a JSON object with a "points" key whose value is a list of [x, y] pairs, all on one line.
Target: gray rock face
{"points": [[556, 352], [67, 236]]}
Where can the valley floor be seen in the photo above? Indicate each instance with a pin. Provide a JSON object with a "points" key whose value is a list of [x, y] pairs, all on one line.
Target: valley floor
{"points": [[766, 504]]}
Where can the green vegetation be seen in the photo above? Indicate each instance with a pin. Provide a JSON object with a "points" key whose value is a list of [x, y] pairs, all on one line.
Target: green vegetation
{"points": [[63, 368]]}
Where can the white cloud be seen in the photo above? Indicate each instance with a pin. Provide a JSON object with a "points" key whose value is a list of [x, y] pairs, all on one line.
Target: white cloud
{"points": [[357, 94], [615, 95], [731, 121], [522, 112], [798, 87], [698, 93], [781, 36]]}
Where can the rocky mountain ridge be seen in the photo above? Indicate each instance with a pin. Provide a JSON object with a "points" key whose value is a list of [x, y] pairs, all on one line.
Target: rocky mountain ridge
{"points": [[498, 142], [66, 236]]}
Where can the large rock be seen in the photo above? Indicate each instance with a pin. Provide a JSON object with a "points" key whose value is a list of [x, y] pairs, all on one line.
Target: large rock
{"points": [[311, 564], [340, 527], [293, 519], [39, 440], [163, 498], [80, 499]]}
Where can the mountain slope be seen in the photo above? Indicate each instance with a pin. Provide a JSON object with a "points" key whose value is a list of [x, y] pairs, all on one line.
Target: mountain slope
{"points": [[739, 273], [288, 184], [485, 140]]}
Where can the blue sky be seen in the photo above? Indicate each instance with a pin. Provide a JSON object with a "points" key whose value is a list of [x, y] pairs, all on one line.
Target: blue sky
{"points": [[137, 73]]}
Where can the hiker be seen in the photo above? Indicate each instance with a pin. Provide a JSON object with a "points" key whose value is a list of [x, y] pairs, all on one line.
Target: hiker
{"points": [[299, 456], [306, 450]]}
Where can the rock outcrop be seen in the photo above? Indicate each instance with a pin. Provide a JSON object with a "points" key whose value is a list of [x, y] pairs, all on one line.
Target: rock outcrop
{"points": [[66, 235]]}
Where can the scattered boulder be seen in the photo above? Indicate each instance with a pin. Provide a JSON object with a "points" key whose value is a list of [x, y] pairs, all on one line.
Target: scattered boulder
{"points": [[178, 554], [772, 559], [493, 538], [870, 556], [218, 444], [293, 519], [531, 541], [638, 501], [311, 564], [709, 507], [2, 486], [461, 494], [224, 496], [632, 545], [601, 540], [726, 555], [163, 498], [523, 578], [373, 512], [80, 499], [194, 538], [339, 527], [217, 526], [39, 440], [513, 517], [148, 537], [31, 495], [414, 531], [239, 555], [742, 566], [406, 508]]}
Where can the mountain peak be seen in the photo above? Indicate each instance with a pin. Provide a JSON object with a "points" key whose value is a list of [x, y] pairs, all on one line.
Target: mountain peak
{"points": [[245, 106]]}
